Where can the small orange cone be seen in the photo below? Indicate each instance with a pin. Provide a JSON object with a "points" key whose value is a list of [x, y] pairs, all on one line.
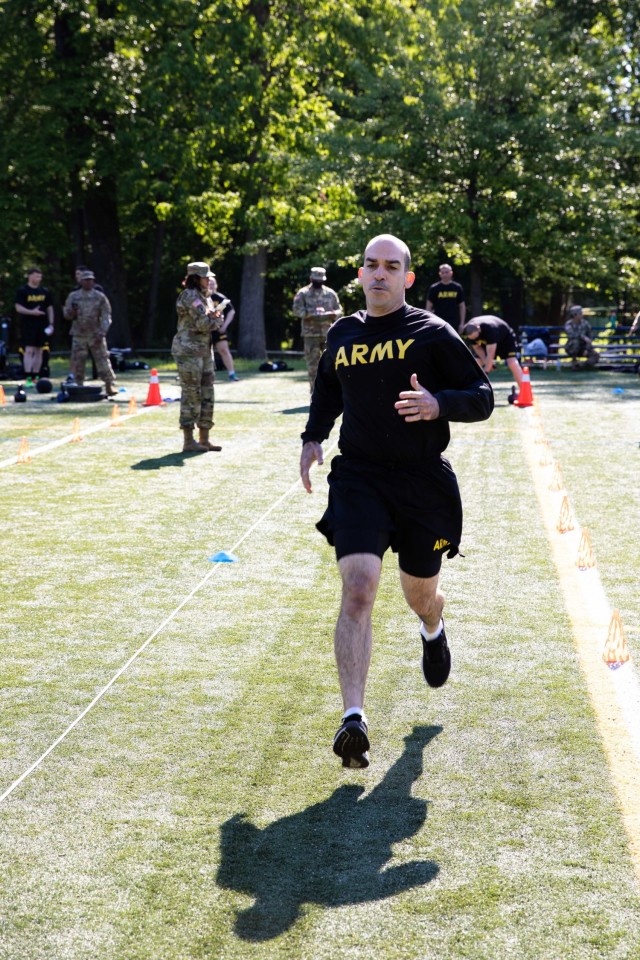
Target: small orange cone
{"points": [[133, 407], [586, 557], [525, 397], [76, 435], [557, 483], [565, 520], [3, 399], [116, 420], [153, 396], [616, 651], [545, 456], [23, 451]]}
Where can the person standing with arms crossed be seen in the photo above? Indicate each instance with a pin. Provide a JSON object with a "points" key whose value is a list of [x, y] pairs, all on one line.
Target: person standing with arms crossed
{"points": [[398, 376], [317, 306], [446, 298]]}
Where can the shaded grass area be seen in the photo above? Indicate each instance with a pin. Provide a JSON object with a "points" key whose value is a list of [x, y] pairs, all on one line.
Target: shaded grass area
{"points": [[198, 811]]}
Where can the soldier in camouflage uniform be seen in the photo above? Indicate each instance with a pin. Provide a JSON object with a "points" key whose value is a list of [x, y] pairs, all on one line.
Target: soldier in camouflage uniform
{"points": [[579, 343], [191, 349], [90, 315], [317, 306]]}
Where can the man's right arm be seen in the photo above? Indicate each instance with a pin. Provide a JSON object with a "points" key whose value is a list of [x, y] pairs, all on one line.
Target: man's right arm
{"points": [[299, 308]]}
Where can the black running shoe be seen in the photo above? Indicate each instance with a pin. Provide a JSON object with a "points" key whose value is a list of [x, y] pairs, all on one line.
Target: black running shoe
{"points": [[351, 742], [436, 659]]}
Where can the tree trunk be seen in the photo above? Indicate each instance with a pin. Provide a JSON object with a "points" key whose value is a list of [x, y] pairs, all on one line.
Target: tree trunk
{"points": [[475, 291], [152, 310], [252, 341], [103, 227]]}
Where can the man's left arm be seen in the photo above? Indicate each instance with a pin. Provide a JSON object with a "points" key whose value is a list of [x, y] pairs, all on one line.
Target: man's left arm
{"points": [[467, 395], [105, 315]]}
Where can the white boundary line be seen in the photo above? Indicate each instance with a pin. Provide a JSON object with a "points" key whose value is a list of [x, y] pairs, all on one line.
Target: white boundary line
{"points": [[34, 766], [615, 694], [83, 433]]}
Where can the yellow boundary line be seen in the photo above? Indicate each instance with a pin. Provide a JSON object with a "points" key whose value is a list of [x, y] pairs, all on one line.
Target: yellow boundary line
{"points": [[84, 432], [615, 693]]}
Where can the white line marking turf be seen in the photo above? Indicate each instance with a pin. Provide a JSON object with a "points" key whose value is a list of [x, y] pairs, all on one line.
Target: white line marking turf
{"points": [[34, 766], [85, 431], [615, 693]]}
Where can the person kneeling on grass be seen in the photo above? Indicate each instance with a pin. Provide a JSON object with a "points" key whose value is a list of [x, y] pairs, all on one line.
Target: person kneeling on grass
{"points": [[579, 342], [398, 375], [490, 337]]}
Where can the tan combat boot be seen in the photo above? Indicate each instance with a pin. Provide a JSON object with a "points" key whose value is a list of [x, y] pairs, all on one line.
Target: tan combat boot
{"points": [[110, 389], [191, 445], [203, 438]]}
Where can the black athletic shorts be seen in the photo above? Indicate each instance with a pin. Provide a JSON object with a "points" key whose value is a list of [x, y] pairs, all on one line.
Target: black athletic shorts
{"points": [[507, 346], [415, 510], [216, 336]]}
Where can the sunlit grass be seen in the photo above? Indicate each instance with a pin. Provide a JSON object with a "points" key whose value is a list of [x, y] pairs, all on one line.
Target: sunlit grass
{"points": [[198, 810]]}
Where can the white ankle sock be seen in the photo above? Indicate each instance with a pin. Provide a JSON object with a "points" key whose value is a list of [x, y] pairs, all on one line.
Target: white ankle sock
{"points": [[352, 710], [436, 633]]}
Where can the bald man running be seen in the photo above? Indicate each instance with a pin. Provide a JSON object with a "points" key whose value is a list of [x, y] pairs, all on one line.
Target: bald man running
{"points": [[398, 375]]}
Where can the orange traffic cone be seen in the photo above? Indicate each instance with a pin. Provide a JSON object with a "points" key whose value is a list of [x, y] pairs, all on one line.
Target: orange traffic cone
{"points": [[545, 456], [23, 451], [565, 520], [116, 419], [525, 397], [3, 399], [76, 436], [616, 651], [586, 557], [153, 396], [133, 406], [557, 483]]}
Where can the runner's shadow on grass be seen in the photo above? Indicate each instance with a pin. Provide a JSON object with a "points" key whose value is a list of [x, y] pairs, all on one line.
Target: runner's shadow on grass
{"points": [[176, 459], [296, 410], [334, 853]]}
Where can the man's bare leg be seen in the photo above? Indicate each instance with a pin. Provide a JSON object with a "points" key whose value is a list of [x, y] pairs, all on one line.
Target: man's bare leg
{"points": [[352, 642], [424, 597], [427, 600], [516, 370], [360, 577]]}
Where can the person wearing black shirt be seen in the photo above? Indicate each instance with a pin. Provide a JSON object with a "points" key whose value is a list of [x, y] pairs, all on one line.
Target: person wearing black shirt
{"points": [[398, 375], [219, 338], [34, 305], [446, 298], [489, 337]]}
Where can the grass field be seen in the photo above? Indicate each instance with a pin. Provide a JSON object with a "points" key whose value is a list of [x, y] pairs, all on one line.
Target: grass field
{"points": [[197, 810]]}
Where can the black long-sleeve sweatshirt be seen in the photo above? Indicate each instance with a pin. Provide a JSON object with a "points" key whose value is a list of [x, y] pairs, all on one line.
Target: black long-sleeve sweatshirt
{"points": [[369, 361]]}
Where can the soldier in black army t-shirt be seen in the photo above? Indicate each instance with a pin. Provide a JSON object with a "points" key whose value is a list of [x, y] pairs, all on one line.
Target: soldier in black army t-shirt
{"points": [[446, 298], [34, 305], [398, 376]]}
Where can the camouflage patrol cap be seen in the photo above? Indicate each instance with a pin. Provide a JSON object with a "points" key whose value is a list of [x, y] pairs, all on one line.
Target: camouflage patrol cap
{"points": [[87, 275], [318, 273], [575, 309], [198, 269]]}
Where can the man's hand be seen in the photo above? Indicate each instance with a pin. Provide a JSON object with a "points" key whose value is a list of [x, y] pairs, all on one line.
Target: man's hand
{"points": [[311, 453], [417, 404]]}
